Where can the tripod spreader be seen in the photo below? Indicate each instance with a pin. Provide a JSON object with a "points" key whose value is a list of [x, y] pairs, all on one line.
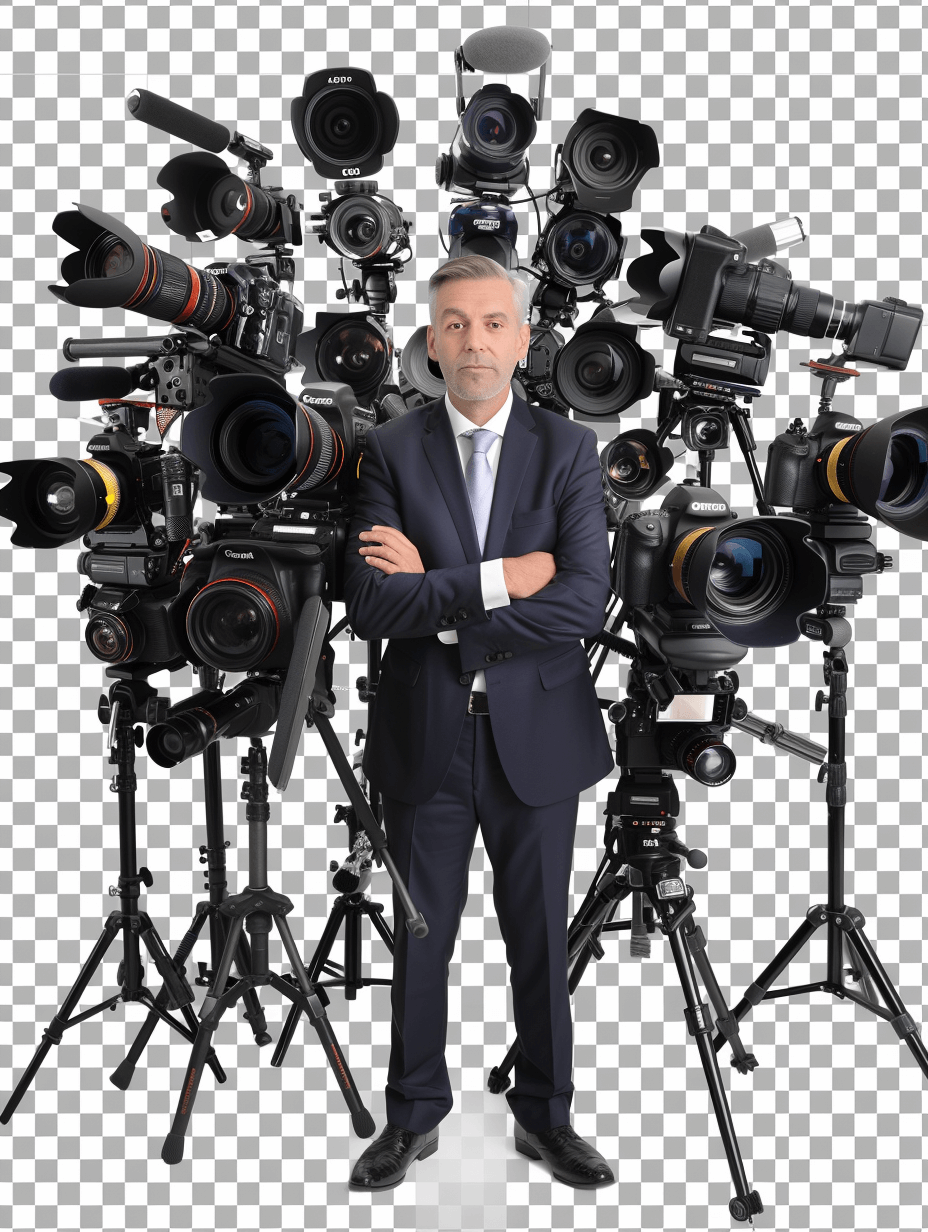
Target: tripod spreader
{"points": [[776, 734]]}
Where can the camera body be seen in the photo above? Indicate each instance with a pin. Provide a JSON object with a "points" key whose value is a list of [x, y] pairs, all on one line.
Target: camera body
{"points": [[649, 735], [266, 319], [241, 597], [797, 462], [134, 565]]}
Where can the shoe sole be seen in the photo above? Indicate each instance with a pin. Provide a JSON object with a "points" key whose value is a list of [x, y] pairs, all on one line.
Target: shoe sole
{"points": [[427, 1150], [525, 1148]]}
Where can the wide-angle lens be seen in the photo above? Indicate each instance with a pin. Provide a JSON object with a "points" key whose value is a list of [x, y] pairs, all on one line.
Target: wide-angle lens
{"points": [[581, 251], [749, 574]]}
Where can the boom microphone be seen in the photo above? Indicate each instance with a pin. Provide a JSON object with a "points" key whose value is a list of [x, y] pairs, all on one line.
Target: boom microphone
{"points": [[178, 121], [84, 384], [506, 49]]}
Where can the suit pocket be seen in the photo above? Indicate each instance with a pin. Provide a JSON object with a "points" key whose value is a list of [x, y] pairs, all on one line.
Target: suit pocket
{"points": [[402, 666], [528, 517], [563, 667]]}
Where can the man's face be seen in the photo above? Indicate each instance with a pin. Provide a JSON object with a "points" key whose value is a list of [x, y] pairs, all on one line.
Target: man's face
{"points": [[477, 339]]}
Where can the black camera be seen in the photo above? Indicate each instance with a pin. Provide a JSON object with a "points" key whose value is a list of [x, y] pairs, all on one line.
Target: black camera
{"points": [[602, 370], [881, 470], [240, 301], [581, 250], [210, 201], [604, 157], [253, 440], [361, 224], [343, 124], [684, 732], [497, 127], [132, 562], [350, 348], [240, 602], [691, 281], [751, 578]]}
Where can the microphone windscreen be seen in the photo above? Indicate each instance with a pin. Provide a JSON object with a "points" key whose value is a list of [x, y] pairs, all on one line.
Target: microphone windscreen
{"points": [[83, 384], [178, 121], [506, 49]]}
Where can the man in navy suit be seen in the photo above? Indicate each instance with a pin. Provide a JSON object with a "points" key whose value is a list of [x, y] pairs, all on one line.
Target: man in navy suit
{"points": [[479, 548]]}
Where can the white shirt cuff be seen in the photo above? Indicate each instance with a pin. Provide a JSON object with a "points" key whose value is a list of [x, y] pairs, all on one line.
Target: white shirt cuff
{"points": [[493, 584]]}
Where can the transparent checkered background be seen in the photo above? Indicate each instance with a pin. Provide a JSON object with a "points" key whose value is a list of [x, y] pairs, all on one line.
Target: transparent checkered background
{"points": [[761, 111]]}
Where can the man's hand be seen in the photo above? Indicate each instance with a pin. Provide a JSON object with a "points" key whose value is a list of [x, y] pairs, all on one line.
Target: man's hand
{"points": [[391, 551], [526, 575]]}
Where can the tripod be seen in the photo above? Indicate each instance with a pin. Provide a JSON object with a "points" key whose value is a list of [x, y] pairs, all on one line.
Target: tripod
{"points": [[642, 858], [129, 701], [256, 908], [213, 855], [844, 925]]}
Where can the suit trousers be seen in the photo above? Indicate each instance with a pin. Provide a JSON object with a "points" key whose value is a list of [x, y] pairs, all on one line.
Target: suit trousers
{"points": [[530, 850]]}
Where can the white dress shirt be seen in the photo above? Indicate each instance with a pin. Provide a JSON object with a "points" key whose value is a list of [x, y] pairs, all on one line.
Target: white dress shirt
{"points": [[492, 579]]}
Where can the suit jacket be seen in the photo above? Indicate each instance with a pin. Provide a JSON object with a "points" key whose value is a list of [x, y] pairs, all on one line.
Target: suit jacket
{"points": [[546, 719]]}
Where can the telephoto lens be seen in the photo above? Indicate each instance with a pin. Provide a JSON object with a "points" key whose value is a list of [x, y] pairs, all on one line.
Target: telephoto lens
{"points": [[113, 268]]}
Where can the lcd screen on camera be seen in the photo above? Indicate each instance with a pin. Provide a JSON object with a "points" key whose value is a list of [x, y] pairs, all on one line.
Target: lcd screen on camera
{"points": [[689, 708]]}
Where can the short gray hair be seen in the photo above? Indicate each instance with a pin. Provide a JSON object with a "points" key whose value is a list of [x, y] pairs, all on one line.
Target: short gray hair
{"points": [[477, 268]]}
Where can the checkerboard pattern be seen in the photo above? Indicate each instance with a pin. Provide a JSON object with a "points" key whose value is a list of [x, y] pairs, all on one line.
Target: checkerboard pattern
{"points": [[761, 111]]}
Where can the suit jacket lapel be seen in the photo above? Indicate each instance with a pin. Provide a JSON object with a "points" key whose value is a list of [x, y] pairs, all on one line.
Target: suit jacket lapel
{"points": [[442, 452], [515, 454]]}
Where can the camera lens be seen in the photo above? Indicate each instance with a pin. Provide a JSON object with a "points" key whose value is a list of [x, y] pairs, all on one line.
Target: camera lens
{"points": [[749, 575], [363, 227], [494, 128], [708, 761], [355, 355], [581, 251], [109, 639], [602, 372], [113, 268], [343, 125], [234, 623], [497, 128], [904, 490], [601, 159], [256, 445], [108, 257]]}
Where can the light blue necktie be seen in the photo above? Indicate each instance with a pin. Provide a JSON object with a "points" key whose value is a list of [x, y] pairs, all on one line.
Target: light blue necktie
{"points": [[478, 476]]}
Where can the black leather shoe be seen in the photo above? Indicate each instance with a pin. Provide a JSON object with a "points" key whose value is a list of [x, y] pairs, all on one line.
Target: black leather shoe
{"points": [[385, 1162], [572, 1160]]}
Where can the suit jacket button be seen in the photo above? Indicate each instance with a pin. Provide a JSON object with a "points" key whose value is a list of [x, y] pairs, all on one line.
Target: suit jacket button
{"points": [[491, 658], [508, 654], [461, 614], [465, 679], [444, 620]]}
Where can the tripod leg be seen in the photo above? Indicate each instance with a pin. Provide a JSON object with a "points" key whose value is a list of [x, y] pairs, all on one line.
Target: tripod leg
{"points": [[699, 1025], [122, 1075], [755, 993], [902, 1021], [316, 963], [55, 1029], [725, 1020], [214, 1004], [361, 1119]]}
